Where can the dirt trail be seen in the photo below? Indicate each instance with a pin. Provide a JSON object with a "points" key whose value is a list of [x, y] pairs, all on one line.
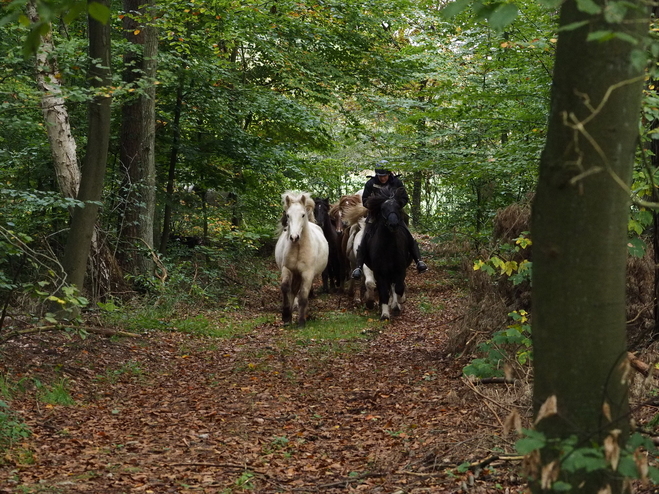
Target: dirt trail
{"points": [[172, 413]]}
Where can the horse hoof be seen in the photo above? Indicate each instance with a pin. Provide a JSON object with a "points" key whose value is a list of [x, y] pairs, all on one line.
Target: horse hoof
{"points": [[396, 311], [301, 324], [370, 304], [384, 317]]}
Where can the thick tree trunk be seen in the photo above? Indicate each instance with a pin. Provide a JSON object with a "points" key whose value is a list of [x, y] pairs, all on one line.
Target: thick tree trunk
{"points": [[137, 155], [79, 239], [579, 232], [62, 144]]}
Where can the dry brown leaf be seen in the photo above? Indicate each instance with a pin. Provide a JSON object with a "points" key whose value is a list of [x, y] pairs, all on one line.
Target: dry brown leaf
{"points": [[549, 474], [641, 460], [513, 422], [612, 448], [548, 408]]}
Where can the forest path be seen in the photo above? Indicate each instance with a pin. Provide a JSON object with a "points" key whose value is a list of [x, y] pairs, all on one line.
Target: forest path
{"points": [[262, 410]]}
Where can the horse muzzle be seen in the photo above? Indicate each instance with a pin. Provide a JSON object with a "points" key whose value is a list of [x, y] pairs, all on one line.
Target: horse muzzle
{"points": [[392, 221]]}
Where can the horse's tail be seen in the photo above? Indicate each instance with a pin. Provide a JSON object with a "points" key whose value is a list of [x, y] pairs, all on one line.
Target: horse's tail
{"points": [[353, 214]]}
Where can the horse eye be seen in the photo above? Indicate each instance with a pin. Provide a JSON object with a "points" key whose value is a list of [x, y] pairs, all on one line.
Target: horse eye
{"points": [[303, 215]]}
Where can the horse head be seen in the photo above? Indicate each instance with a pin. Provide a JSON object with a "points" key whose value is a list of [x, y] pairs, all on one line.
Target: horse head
{"points": [[387, 208], [335, 217], [321, 211], [298, 209]]}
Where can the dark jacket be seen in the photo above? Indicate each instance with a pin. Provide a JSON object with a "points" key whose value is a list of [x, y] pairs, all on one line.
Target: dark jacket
{"points": [[374, 186]]}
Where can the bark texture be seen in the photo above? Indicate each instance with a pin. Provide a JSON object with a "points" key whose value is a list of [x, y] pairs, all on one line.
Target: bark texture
{"points": [[62, 144], [76, 252], [579, 230], [137, 155]]}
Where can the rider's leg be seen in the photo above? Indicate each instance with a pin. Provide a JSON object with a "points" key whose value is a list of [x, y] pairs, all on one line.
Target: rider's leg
{"points": [[413, 246], [361, 251]]}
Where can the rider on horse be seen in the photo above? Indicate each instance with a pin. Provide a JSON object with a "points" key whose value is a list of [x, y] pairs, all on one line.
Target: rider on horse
{"points": [[385, 182]]}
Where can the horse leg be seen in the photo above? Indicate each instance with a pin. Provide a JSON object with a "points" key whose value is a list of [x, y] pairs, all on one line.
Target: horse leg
{"points": [[398, 296], [326, 280], [369, 282], [295, 291], [383, 293], [287, 295], [303, 300]]}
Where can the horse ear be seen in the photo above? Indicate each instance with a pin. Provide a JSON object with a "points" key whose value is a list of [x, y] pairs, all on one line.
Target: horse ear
{"points": [[287, 201]]}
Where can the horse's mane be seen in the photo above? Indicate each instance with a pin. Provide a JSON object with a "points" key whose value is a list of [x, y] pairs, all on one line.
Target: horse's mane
{"points": [[334, 210], [375, 201], [348, 201], [354, 213], [304, 198]]}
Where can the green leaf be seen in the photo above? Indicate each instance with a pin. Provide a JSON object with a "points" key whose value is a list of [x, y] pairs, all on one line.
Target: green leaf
{"points": [[561, 486], [99, 12], [526, 445], [636, 247], [573, 25], [614, 12], [626, 37], [75, 12], [454, 8], [600, 36], [588, 7], [503, 15]]}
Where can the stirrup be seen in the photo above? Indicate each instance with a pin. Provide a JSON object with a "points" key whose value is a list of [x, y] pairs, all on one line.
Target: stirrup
{"points": [[357, 273]]}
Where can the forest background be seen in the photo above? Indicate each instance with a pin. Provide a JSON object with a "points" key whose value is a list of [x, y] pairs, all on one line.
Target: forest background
{"points": [[194, 117]]}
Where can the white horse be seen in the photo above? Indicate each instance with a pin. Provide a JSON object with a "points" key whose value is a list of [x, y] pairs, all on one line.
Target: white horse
{"points": [[301, 254]]}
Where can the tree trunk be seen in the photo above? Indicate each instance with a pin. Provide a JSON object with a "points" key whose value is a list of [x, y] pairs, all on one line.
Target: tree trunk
{"points": [[579, 231], [171, 175], [79, 239], [62, 144], [137, 155]]}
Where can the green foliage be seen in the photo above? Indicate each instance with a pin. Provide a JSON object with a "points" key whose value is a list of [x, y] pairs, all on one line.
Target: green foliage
{"points": [[130, 368], [511, 345], [504, 265], [244, 482], [12, 430], [55, 394], [573, 456]]}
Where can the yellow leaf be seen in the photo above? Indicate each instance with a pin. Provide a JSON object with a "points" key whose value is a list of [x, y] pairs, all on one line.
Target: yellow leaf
{"points": [[509, 267], [136, 32]]}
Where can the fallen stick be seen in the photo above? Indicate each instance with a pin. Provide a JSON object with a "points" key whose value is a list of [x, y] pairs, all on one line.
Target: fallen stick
{"points": [[57, 327]]}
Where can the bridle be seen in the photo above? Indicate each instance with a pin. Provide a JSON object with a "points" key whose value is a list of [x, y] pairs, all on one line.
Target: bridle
{"points": [[386, 215]]}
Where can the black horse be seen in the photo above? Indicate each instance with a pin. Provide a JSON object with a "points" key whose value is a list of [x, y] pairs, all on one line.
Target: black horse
{"points": [[387, 250], [333, 276]]}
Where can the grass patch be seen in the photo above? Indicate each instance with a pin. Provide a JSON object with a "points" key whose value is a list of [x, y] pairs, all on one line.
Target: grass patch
{"points": [[338, 325], [130, 368], [57, 394], [148, 318], [228, 328]]}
